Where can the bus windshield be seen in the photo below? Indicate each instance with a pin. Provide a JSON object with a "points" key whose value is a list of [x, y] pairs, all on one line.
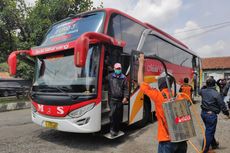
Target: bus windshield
{"points": [[59, 74], [71, 29]]}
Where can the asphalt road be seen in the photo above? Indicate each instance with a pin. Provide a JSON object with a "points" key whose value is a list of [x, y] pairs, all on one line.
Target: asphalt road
{"points": [[19, 135]]}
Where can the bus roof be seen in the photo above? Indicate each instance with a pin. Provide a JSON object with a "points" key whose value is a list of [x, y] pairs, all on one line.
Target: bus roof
{"points": [[147, 25], [110, 11]]}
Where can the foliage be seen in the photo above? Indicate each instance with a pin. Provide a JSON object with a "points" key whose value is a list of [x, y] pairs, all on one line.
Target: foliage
{"points": [[3, 67], [22, 26], [24, 70]]}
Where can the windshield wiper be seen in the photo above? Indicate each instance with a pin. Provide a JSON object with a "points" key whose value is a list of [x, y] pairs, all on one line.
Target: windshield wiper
{"points": [[49, 88], [80, 16], [87, 15]]}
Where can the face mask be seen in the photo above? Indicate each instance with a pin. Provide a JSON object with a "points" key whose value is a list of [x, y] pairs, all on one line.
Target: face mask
{"points": [[117, 72]]}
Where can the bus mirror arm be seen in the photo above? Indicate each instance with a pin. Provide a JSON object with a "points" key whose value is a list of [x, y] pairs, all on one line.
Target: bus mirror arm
{"points": [[136, 55], [167, 74], [83, 42], [12, 60]]}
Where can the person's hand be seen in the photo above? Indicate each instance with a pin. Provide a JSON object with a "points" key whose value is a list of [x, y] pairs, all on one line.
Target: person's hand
{"points": [[125, 101], [141, 59]]}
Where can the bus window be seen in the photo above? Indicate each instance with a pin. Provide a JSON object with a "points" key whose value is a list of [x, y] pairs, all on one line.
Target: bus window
{"points": [[131, 33], [115, 27], [183, 58], [71, 28], [165, 51], [125, 62], [125, 29], [150, 45], [154, 45]]}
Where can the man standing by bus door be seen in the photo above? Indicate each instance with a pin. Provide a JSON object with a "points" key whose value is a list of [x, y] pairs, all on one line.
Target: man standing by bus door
{"points": [[117, 95], [159, 97]]}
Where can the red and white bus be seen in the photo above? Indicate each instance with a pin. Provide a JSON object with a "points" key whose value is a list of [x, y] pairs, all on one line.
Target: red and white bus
{"points": [[69, 91]]}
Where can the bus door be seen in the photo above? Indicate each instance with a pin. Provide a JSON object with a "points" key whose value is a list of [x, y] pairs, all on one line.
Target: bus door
{"points": [[125, 62], [113, 55], [136, 97]]}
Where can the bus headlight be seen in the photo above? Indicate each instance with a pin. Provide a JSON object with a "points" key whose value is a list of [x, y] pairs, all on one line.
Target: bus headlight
{"points": [[81, 111]]}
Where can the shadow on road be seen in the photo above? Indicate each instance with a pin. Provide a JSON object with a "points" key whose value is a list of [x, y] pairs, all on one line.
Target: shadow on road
{"points": [[90, 142]]}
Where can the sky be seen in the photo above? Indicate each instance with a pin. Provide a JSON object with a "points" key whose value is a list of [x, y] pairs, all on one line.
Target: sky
{"points": [[203, 25]]}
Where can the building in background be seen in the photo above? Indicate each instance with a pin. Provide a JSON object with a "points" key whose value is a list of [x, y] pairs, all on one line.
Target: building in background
{"points": [[218, 67]]}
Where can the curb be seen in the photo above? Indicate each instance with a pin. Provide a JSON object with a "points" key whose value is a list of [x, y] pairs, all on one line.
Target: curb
{"points": [[14, 106]]}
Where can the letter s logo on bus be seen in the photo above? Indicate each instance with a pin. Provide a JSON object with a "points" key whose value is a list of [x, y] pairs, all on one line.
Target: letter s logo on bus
{"points": [[40, 108], [60, 110]]}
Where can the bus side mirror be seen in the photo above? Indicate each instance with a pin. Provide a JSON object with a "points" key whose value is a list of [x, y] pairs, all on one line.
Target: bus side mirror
{"points": [[12, 60], [80, 51], [83, 42]]}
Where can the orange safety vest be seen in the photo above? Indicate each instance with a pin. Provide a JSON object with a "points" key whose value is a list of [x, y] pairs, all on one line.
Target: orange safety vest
{"points": [[187, 89], [158, 97]]}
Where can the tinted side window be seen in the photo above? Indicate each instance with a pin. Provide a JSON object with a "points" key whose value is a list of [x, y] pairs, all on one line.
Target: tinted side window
{"points": [[131, 33], [115, 27], [125, 29], [150, 45], [156, 46], [165, 50], [182, 58]]}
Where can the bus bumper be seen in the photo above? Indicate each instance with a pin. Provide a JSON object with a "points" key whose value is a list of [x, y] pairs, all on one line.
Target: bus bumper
{"points": [[88, 123]]}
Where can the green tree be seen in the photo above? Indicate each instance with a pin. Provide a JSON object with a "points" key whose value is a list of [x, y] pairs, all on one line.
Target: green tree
{"points": [[22, 27], [3, 67], [47, 12], [7, 28]]}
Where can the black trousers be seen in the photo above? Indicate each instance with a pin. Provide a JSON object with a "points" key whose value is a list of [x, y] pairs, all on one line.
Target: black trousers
{"points": [[116, 115]]}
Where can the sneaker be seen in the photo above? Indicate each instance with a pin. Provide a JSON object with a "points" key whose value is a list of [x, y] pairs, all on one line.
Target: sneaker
{"points": [[216, 146]]}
